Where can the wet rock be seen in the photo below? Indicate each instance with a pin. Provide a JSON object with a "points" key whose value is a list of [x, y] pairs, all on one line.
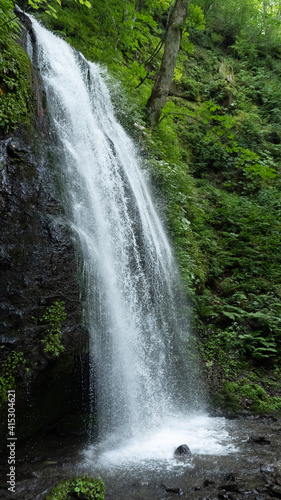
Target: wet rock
{"points": [[266, 467], [8, 341], [38, 266], [275, 491], [176, 491], [39, 362], [23, 17], [229, 477], [17, 149], [208, 482], [223, 495], [258, 440], [5, 260], [182, 451], [230, 487]]}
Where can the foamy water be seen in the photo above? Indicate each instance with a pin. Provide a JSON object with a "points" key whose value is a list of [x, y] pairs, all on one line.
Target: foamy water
{"points": [[155, 449]]}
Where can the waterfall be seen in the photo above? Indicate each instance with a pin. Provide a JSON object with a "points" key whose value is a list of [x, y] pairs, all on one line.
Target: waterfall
{"points": [[135, 311]]}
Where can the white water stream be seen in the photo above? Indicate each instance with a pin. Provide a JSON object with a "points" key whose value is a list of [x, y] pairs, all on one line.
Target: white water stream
{"points": [[147, 387]]}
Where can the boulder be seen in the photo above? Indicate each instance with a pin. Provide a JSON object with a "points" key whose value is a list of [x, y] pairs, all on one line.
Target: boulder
{"points": [[258, 440], [182, 451]]}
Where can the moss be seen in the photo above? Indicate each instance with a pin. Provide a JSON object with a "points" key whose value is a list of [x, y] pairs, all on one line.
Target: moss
{"points": [[84, 487], [230, 398], [17, 101], [236, 397]]}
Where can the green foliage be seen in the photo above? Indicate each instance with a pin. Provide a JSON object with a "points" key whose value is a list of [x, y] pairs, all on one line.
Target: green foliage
{"points": [[16, 96], [178, 200], [82, 487], [49, 9], [258, 345], [54, 317], [9, 24], [195, 17], [221, 130], [110, 32], [252, 394], [8, 373]]}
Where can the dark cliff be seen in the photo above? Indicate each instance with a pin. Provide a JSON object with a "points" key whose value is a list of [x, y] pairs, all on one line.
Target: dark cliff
{"points": [[38, 268]]}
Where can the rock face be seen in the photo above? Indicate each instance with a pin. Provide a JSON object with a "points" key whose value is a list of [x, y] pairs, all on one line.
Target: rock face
{"points": [[38, 266], [182, 451]]}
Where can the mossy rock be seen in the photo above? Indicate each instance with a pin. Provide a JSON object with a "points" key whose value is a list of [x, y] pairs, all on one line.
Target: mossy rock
{"points": [[80, 487]]}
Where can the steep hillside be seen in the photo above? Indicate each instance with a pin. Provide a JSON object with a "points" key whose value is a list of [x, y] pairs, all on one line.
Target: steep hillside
{"points": [[214, 161]]}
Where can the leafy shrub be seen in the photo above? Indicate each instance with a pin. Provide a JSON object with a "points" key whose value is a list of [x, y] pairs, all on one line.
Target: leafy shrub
{"points": [[84, 487]]}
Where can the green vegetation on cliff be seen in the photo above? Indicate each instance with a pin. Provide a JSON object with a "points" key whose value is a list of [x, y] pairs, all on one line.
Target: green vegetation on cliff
{"points": [[8, 373], [54, 317], [16, 96], [214, 160]]}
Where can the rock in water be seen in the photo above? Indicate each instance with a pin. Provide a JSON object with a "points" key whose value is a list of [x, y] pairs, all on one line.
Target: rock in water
{"points": [[182, 451]]}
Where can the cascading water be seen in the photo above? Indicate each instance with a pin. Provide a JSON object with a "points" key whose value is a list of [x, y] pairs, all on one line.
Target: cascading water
{"points": [[134, 308]]}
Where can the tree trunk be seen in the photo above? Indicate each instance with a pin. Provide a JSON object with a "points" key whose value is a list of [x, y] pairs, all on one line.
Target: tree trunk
{"points": [[164, 77]]}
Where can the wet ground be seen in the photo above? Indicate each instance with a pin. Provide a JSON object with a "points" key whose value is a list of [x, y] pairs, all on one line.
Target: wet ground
{"points": [[252, 471]]}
